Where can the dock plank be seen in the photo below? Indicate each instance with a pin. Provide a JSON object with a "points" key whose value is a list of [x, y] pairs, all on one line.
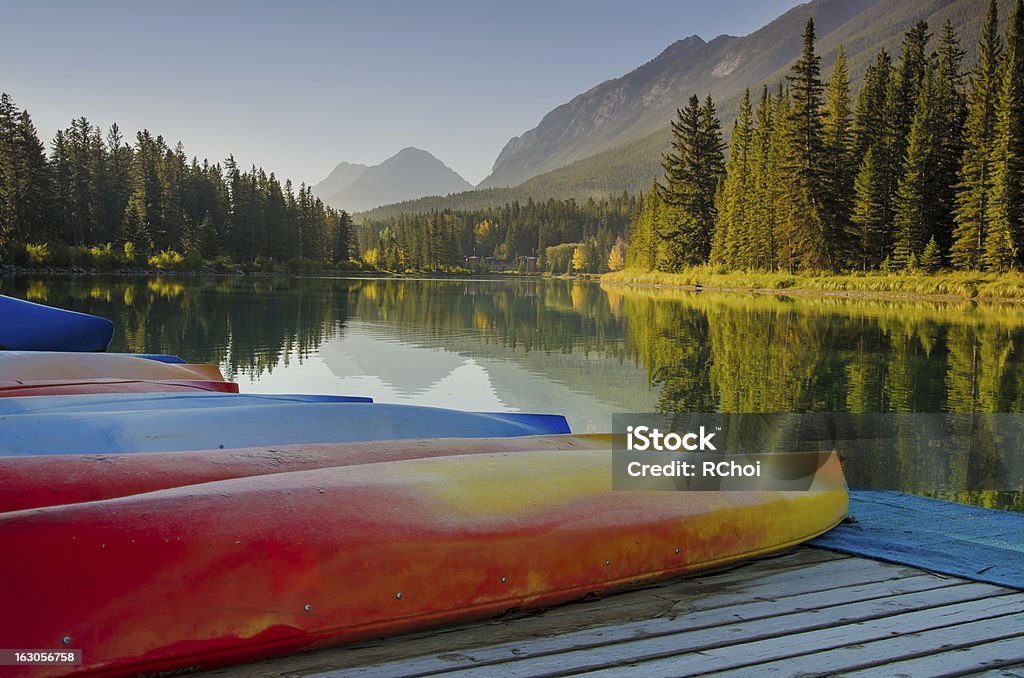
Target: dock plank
{"points": [[775, 616], [607, 635], [882, 653], [994, 656], [1004, 672], [756, 642]]}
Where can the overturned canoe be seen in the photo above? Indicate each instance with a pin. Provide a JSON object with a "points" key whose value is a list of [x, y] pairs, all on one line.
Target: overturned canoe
{"points": [[19, 389], [27, 326], [148, 402], [38, 365], [71, 479], [187, 579], [155, 422]]}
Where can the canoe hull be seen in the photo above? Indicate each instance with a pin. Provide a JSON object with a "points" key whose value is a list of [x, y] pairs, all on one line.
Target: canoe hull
{"points": [[39, 365], [21, 389], [244, 569], [149, 423], [72, 479], [27, 326]]}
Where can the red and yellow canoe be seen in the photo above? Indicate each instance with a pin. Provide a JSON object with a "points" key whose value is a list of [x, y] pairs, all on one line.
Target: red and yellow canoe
{"points": [[51, 480], [193, 577]]}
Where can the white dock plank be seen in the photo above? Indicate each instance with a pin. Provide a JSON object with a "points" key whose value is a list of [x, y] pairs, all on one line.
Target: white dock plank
{"points": [[959, 662], [900, 646], [771, 631], [607, 635]]}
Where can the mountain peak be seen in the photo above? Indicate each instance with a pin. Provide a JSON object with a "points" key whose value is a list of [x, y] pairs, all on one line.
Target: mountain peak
{"points": [[411, 173], [343, 175]]}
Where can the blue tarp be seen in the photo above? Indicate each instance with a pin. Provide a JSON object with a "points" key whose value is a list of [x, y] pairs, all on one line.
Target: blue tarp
{"points": [[939, 536]]}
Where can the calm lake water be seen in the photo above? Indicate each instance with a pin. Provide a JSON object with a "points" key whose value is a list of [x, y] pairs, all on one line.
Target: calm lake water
{"points": [[586, 351]]}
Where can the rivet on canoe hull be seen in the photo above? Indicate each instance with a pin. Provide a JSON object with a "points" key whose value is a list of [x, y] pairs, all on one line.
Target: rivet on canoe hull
{"points": [[66, 640], [607, 563], [398, 595], [677, 552], [307, 607], [504, 580]]}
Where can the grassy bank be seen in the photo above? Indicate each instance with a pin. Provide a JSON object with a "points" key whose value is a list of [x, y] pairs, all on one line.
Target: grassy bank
{"points": [[967, 285]]}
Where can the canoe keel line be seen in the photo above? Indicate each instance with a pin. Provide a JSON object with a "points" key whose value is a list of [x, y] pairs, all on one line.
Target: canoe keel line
{"points": [[190, 578]]}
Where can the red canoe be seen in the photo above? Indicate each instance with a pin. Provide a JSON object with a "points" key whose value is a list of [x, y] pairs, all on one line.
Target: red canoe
{"points": [[191, 578], [51, 480], [18, 389]]}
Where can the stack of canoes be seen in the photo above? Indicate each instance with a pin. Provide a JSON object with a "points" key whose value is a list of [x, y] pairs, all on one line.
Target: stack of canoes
{"points": [[162, 523]]}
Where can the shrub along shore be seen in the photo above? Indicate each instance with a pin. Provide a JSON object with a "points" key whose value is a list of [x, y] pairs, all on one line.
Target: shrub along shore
{"points": [[960, 284]]}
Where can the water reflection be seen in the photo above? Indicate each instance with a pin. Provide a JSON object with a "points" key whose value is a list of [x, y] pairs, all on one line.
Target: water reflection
{"points": [[583, 350]]}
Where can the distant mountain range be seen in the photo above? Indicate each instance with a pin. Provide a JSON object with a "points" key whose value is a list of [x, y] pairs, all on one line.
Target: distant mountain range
{"points": [[610, 138], [410, 173], [643, 101]]}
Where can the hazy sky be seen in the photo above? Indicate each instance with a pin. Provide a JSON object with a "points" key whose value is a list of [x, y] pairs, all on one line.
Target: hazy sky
{"points": [[299, 86]]}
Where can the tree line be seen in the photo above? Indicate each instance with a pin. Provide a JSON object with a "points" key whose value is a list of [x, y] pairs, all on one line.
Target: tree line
{"points": [[925, 170], [133, 200], [448, 239]]}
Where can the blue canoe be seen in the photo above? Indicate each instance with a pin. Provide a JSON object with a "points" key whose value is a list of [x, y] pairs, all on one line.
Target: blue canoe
{"points": [[26, 326], [176, 423]]}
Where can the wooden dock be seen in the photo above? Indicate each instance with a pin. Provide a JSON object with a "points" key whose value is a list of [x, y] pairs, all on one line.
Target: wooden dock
{"points": [[805, 612]]}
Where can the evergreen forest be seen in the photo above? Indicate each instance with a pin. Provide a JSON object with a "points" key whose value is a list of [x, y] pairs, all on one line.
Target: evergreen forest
{"points": [[923, 170], [96, 200]]}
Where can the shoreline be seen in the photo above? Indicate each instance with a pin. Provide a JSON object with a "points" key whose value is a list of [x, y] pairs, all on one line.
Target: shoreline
{"points": [[949, 287], [976, 287]]}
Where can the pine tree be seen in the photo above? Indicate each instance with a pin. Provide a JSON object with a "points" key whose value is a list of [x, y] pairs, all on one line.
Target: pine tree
{"points": [[805, 231], [342, 237], [931, 259], [868, 217], [763, 188], [693, 169], [918, 206], [731, 245], [871, 210], [117, 179], [951, 107], [135, 225], [1005, 211], [710, 175], [8, 168], [839, 168], [60, 175], [869, 115], [25, 191], [642, 253], [905, 89], [902, 96], [975, 186]]}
